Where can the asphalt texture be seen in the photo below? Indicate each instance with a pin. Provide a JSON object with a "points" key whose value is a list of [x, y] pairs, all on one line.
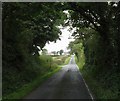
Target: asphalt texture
{"points": [[65, 84]]}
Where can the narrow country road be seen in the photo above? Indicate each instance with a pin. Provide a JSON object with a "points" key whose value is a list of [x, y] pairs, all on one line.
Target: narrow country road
{"points": [[65, 84]]}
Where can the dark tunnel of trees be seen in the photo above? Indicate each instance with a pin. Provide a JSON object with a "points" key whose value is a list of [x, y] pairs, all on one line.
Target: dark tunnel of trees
{"points": [[27, 27]]}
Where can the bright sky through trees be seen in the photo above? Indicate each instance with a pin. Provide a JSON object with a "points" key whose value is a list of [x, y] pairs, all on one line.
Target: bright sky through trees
{"points": [[60, 44]]}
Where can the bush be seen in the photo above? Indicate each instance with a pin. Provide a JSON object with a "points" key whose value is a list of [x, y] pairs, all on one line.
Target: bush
{"points": [[14, 79]]}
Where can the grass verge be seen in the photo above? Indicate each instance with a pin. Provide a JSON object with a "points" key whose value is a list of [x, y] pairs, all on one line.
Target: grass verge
{"points": [[26, 89], [98, 90], [46, 62], [61, 60], [67, 60], [80, 65]]}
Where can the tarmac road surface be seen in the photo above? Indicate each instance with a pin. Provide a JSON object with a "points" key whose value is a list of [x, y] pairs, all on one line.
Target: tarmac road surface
{"points": [[65, 84]]}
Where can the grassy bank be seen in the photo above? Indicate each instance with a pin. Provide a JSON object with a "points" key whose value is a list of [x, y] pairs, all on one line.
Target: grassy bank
{"points": [[99, 90], [81, 63], [44, 67], [18, 83], [27, 88], [67, 60], [61, 59]]}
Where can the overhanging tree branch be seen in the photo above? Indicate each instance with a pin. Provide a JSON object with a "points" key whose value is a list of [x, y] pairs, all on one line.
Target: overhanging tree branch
{"points": [[82, 11]]}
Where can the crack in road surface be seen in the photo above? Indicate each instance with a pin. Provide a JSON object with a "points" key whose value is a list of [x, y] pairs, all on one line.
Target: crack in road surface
{"points": [[65, 84]]}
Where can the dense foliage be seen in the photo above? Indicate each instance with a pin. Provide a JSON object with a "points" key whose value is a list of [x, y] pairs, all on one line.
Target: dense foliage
{"points": [[97, 27], [27, 27]]}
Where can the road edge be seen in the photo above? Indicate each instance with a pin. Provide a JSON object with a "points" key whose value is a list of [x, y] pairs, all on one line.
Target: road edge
{"points": [[86, 85]]}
